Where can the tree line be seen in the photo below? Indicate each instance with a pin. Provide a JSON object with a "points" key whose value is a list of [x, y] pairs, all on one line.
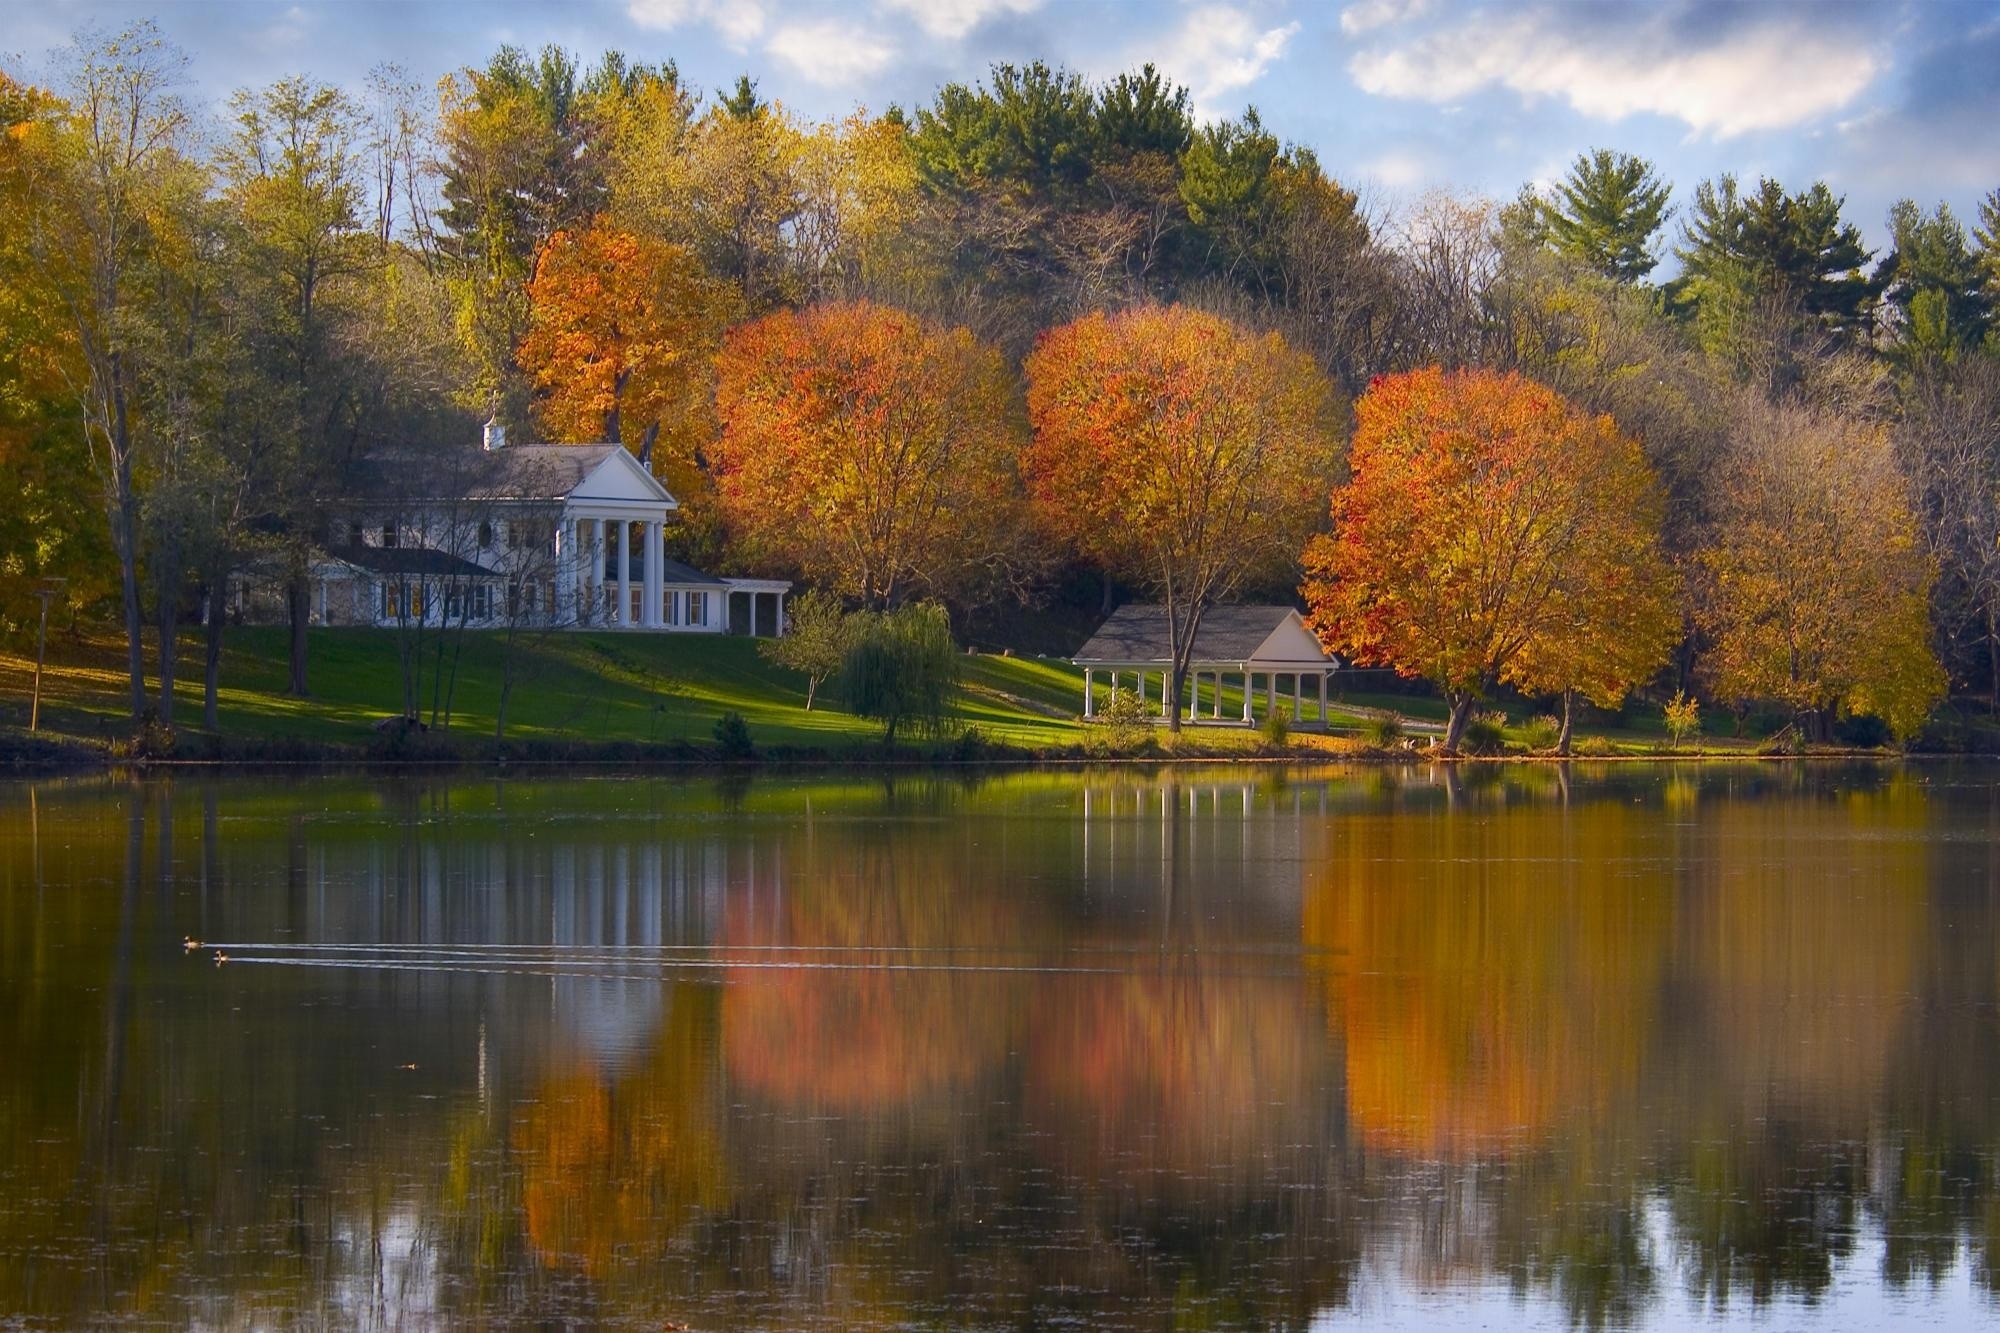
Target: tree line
{"points": [[974, 350]]}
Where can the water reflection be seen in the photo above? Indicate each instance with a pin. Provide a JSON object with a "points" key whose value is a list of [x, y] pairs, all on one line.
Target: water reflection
{"points": [[1245, 1049]]}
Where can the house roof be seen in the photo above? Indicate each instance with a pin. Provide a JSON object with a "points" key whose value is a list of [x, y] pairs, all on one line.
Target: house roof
{"points": [[1137, 633], [423, 561], [680, 575], [516, 472]]}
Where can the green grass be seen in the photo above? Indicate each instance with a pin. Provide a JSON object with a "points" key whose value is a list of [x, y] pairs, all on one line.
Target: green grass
{"points": [[586, 689], [575, 687]]}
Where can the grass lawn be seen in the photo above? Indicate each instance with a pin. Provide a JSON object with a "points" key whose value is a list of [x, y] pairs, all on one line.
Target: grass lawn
{"points": [[593, 688]]}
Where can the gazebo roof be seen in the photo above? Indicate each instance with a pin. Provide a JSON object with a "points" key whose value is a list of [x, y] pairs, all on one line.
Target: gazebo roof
{"points": [[1266, 636]]}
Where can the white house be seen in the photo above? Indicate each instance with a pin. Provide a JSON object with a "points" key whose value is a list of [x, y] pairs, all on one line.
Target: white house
{"points": [[1250, 643], [547, 535]]}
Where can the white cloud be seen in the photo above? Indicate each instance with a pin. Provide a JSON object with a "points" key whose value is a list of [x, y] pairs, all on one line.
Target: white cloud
{"points": [[830, 52], [1368, 15], [737, 22], [1769, 75], [953, 19], [1219, 49]]}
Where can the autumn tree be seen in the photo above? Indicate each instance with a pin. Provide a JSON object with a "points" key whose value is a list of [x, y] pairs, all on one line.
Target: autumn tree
{"points": [[869, 449], [1492, 531], [1180, 451], [620, 345], [1948, 443], [1815, 587], [109, 177], [293, 172]]}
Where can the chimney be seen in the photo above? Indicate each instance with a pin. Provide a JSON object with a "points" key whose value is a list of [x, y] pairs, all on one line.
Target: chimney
{"points": [[495, 436]]}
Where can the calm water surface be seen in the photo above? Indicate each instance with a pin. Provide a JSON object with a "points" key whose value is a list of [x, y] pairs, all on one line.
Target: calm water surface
{"points": [[1518, 1047]]}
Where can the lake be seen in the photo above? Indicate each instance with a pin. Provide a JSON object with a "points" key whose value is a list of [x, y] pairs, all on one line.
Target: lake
{"points": [[1199, 1048]]}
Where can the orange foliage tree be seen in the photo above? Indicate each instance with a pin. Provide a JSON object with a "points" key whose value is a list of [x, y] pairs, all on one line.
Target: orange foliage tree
{"points": [[620, 346], [1180, 450], [870, 449], [1493, 531]]}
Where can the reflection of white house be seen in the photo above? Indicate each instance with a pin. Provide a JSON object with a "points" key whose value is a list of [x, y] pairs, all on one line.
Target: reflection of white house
{"points": [[1250, 643], [535, 535]]}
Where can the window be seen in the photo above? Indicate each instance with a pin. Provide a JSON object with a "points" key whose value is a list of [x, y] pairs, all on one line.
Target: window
{"points": [[637, 611], [388, 536], [485, 535], [400, 601], [697, 608]]}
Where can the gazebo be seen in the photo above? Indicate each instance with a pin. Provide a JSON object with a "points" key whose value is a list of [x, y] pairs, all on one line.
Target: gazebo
{"points": [[1247, 642]]}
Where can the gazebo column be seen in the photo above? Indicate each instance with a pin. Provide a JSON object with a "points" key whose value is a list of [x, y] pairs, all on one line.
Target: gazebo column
{"points": [[1249, 694], [1089, 702], [778, 625]]}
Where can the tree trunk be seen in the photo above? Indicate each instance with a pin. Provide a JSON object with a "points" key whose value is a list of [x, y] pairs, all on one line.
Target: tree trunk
{"points": [[169, 614], [812, 688], [218, 610], [298, 602], [1568, 724], [1992, 662], [1461, 713], [127, 542], [1104, 607]]}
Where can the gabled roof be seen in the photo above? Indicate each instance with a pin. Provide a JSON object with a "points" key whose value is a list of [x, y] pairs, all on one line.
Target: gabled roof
{"points": [[546, 472], [1137, 633]]}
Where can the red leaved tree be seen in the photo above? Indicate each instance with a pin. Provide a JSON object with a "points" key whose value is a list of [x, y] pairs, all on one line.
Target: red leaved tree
{"points": [[870, 449], [1181, 451], [1494, 531]]}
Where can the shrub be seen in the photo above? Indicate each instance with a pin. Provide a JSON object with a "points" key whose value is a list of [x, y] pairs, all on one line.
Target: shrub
{"points": [[1542, 732], [1592, 747], [1127, 717], [1683, 717], [1485, 733], [732, 736], [1384, 732], [1277, 728]]}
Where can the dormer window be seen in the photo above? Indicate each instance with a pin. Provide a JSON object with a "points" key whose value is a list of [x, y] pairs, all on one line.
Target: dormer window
{"points": [[485, 535]]}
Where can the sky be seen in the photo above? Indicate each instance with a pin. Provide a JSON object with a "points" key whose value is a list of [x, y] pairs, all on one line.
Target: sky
{"points": [[1879, 98]]}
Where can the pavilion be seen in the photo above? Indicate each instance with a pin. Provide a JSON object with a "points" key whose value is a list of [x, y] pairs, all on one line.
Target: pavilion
{"points": [[1250, 643]]}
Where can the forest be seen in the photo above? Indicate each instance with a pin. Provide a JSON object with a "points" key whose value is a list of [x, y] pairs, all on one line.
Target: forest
{"points": [[1031, 347]]}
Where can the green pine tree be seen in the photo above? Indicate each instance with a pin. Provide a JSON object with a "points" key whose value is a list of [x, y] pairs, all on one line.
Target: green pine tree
{"points": [[1606, 212]]}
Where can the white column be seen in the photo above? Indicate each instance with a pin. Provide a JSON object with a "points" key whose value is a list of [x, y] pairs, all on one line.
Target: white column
{"points": [[1089, 704], [1249, 695], [1194, 696], [779, 627], [656, 555], [593, 562], [624, 573], [1216, 711]]}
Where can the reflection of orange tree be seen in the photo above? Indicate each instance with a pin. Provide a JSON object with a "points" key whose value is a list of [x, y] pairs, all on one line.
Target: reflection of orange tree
{"points": [[1492, 975], [610, 1168], [840, 1032], [1175, 1068]]}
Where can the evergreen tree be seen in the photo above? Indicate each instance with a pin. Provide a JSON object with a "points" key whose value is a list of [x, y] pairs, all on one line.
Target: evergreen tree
{"points": [[1931, 281], [1769, 246], [1606, 212]]}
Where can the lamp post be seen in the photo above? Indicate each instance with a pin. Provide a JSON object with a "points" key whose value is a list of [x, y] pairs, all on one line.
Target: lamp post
{"points": [[46, 590]]}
